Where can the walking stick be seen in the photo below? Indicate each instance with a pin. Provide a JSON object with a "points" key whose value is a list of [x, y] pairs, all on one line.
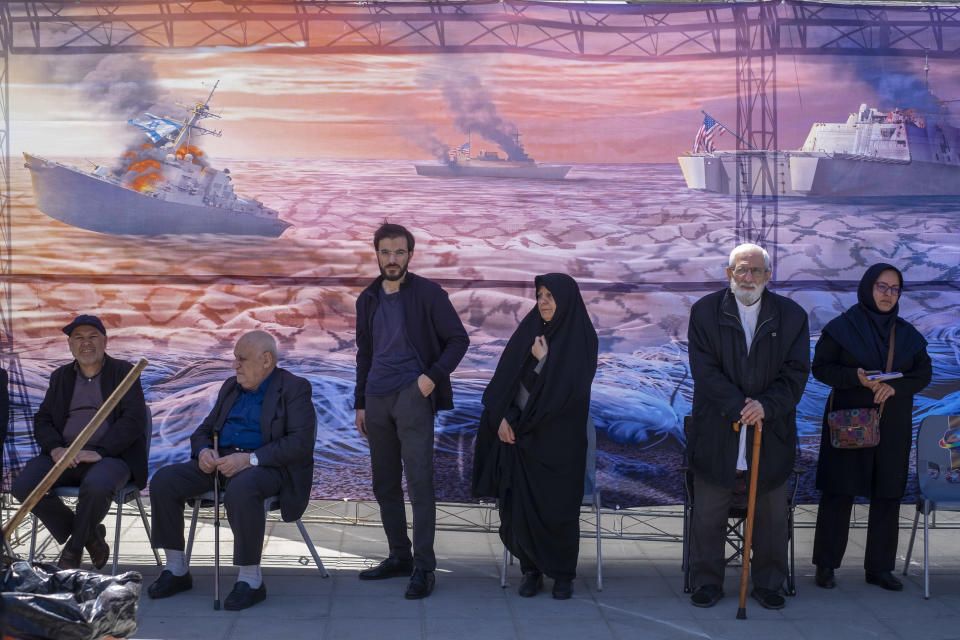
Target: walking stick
{"points": [[751, 510], [54, 474], [216, 526]]}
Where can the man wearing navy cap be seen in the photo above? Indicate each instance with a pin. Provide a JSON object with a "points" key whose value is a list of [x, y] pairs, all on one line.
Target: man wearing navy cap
{"points": [[116, 453]]}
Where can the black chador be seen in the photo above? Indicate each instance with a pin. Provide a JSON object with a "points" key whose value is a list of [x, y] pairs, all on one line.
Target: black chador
{"points": [[539, 480]]}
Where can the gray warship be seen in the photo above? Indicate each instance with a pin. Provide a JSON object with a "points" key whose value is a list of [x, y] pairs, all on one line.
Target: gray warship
{"points": [[874, 153], [165, 187], [489, 164]]}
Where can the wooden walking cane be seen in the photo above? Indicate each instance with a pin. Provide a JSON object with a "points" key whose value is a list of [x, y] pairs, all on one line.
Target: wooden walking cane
{"points": [[751, 510], [54, 474]]}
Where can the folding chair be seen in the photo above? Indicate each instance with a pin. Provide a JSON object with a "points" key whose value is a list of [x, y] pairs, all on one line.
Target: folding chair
{"points": [[270, 504], [591, 499], [125, 494], [734, 529], [938, 476]]}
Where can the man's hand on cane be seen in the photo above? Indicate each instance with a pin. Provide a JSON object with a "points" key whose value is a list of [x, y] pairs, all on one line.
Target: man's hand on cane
{"points": [[752, 413]]}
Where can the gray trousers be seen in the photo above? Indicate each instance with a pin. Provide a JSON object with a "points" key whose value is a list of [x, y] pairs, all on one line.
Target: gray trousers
{"points": [[711, 506], [400, 435]]}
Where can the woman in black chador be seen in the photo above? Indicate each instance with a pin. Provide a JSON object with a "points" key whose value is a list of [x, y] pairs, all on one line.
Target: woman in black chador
{"points": [[858, 341], [532, 441]]}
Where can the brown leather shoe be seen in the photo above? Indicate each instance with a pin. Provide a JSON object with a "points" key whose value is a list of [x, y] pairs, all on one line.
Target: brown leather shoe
{"points": [[68, 559], [97, 547]]}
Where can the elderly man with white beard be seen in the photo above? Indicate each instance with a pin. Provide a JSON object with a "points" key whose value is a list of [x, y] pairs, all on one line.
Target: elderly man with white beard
{"points": [[749, 357]]}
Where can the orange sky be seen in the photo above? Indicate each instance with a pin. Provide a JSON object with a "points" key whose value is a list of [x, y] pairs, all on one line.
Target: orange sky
{"points": [[364, 106]]}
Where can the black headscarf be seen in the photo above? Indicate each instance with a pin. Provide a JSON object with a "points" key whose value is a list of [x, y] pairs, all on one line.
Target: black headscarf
{"points": [[864, 331]]}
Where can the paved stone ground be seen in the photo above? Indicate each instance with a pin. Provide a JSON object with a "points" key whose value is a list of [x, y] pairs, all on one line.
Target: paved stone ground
{"points": [[642, 594]]}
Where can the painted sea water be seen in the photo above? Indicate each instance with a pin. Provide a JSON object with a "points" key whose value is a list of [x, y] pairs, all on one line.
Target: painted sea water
{"points": [[642, 246]]}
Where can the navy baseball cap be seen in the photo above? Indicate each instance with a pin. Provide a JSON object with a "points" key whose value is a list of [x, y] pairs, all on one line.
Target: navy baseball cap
{"points": [[90, 321]]}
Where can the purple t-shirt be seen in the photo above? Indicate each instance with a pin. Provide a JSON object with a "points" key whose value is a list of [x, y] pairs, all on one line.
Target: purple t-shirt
{"points": [[86, 401]]}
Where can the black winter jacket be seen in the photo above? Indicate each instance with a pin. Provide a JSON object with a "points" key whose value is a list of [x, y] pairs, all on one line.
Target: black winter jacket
{"points": [[775, 373]]}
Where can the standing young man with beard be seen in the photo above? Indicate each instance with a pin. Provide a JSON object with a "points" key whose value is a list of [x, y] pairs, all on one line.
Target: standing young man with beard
{"points": [[750, 357], [409, 341]]}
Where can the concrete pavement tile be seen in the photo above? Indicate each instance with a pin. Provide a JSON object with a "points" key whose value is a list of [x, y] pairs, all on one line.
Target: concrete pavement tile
{"points": [[861, 627], [289, 607], [667, 607], [907, 603], [921, 628], [488, 628], [348, 584], [647, 629], [372, 607], [580, 607], [271, 627], [209, 628], [359, 628], [750, 629], [462, 604], [564, 628], [297, 583]]}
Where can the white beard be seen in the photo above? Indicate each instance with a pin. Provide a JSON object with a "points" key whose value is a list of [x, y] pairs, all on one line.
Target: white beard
{"points": [[747, 297]]}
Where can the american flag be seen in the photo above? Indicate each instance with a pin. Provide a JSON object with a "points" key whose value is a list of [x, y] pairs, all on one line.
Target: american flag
{"points": [[705, 135]]}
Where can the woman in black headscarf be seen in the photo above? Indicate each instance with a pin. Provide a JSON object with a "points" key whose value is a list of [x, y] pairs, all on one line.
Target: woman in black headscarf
{"points": [[532, 440], [851, 344]]}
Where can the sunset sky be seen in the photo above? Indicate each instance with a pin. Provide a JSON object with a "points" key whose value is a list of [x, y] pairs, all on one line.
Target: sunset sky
{"points": [[366, 106]]}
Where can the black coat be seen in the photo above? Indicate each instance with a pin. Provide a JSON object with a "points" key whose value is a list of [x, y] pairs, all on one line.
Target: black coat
{"points": [[288, 424], [433, 329], [126, 437], [775, 373], [851, 471]]}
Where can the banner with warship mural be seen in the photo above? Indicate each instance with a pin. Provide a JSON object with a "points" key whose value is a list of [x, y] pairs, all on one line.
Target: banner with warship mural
{"points": [[191, 194]]}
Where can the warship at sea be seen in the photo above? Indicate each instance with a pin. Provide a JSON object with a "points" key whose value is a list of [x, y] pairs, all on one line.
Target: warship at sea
{"points": [[489, 164], [874, 153], [164, 187]]}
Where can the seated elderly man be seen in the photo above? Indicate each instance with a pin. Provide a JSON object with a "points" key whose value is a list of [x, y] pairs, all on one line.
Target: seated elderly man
{"points": [[267, 426], [115, 453]]}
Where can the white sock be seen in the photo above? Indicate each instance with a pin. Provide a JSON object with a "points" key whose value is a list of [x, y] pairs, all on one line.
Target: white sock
{"points": [[250, 574], [176, 562]]}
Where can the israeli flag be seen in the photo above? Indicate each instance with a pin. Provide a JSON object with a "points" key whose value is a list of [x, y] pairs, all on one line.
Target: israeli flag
{"points": [[155, 127]]}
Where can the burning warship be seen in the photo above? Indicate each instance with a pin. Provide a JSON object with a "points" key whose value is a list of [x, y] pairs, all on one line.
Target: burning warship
{"points": [[164, 187], [874, 153], [489, 164]]}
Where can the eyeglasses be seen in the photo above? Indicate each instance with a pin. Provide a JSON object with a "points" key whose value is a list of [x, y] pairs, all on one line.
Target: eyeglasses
{"points": [[756, 272], [885, 289], [399, 253]]}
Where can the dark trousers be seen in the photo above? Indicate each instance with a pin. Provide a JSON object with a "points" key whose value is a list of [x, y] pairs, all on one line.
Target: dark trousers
{"points": [[98, 483], [711, 508], [400, 435], [833, 531], [243, 498]]}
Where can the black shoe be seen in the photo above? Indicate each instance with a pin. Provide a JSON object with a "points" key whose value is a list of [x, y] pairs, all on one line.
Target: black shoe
{"points": [[389, 568], [421, 584], [69, 559], [824, 578], [768, 598], [562, 589], [169, 585], [244, 596], [706, 596], [531, 584], [885, 579], [97, 547]]}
